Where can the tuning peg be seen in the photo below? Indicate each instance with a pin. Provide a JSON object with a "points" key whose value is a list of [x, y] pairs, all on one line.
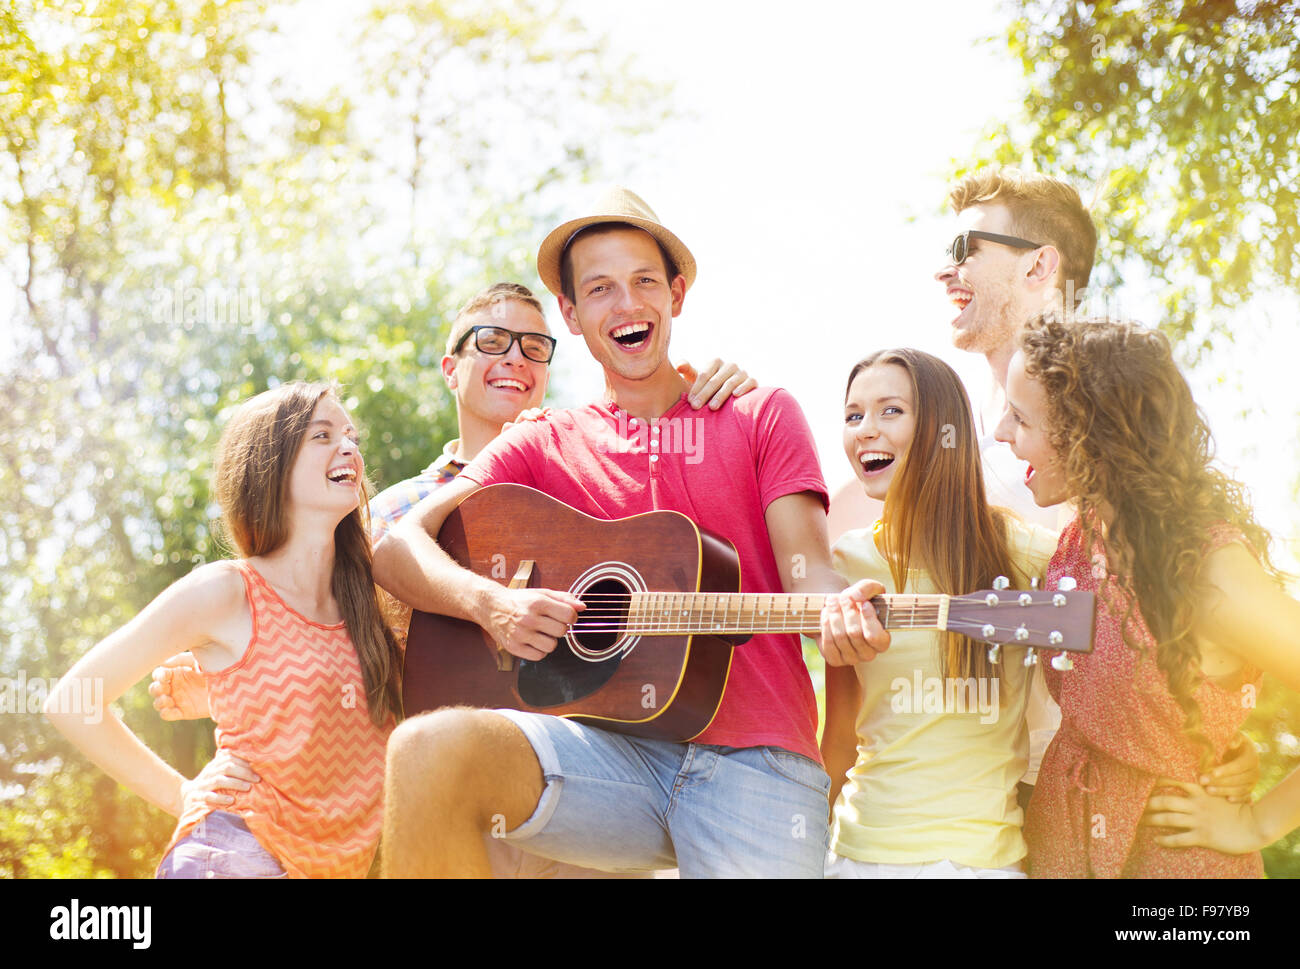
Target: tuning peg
{"points": [[1067, 583], [1026, 599], [1001, 582], [988, 631], [1058, 599], [1055, 637], [1031, 658], [1062, 662], [991, 599], [1033, 583], [995, 654], [1021, 634]]}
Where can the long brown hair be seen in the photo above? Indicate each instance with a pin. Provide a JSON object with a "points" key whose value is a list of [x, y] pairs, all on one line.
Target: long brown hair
{"points": [[1133, 441], [936, 500], [255, 457]]}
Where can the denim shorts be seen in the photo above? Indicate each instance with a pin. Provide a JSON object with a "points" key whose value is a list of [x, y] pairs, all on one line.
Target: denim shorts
{"points": [[220, 846], [622, 803]]}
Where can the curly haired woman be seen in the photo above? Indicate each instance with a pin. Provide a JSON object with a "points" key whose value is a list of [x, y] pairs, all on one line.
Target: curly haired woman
{"points": [[1190, 611]]}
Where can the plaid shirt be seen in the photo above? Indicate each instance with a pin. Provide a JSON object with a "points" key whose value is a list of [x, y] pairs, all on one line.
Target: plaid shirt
{"points": [[387, 507]]}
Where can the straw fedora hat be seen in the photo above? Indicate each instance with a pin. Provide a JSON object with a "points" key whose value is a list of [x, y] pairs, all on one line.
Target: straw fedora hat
{"points": [[616, 204]]}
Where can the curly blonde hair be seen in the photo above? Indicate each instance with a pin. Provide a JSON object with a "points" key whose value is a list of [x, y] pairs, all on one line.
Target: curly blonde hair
{"points": [[1136, 448]]}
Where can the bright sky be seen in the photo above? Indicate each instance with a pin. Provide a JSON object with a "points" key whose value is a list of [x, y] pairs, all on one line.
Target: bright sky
{"points": [[805, 172]]}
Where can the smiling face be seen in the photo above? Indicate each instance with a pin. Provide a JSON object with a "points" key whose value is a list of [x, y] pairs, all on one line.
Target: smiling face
{"points": [[494, 388], [879, 422], [1025, 427], [328, 472], [988, 288], [623, 302]]}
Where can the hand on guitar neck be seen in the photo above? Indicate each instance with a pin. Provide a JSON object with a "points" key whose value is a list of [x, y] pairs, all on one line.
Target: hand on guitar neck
{"points": [[849, 631], [848, 621]]}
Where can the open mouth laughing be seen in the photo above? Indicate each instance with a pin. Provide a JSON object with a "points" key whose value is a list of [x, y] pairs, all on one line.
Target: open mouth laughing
{"points": [[631, 335], [343, 474], [874, 462]]}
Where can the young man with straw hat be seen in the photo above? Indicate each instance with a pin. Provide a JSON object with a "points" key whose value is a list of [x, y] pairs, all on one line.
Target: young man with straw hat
{"points": [[497, 363], [748, 795]]}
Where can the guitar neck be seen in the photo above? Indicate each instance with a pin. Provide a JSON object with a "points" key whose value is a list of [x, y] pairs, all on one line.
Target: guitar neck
{"points": [[719, 613]]}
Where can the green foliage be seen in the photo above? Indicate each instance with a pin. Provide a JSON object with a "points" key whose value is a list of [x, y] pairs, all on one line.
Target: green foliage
{"points": [[187, 221], [1274, 727], [1185, 117]]}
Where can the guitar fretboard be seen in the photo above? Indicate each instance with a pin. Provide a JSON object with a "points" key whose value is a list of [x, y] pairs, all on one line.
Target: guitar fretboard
{"points": [[717, 613]]}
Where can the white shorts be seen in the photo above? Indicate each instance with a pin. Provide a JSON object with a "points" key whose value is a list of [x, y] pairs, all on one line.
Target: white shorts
{"points": [[837, 866]]}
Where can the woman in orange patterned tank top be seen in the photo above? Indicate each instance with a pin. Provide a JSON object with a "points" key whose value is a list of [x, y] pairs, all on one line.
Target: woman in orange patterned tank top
{"points": [[301, 669], [1190, 612]]}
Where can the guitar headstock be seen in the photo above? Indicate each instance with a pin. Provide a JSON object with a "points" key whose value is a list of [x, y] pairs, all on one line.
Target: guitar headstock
{"points": [[1061, 620]]}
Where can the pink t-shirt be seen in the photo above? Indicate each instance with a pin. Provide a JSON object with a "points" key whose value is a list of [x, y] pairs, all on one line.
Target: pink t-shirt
{"points": [[719, 468]]}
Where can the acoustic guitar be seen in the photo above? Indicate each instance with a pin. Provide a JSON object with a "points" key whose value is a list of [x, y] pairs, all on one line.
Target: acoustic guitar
{"points": [[651, 652]]}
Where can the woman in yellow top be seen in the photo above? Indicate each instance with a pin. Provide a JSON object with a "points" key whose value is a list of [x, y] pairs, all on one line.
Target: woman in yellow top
{"points": [[926, 743]]}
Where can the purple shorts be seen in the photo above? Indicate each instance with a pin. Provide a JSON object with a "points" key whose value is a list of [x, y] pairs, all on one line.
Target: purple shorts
{"points": [[220, 846]]}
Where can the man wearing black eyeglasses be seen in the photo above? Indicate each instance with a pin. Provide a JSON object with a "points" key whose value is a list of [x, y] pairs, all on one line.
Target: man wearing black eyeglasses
{"points": [[499, 351]]}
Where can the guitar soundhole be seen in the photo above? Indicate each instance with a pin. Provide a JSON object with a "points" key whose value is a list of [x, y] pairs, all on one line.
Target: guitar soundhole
{"points": [[598, 627], [585, 659]]}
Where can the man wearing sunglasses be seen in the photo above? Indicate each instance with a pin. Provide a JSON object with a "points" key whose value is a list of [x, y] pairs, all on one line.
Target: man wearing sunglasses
{"points": [[1025, 245]]}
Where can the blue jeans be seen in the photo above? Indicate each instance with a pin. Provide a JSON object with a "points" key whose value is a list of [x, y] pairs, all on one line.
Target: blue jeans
{"points": [[220, 846], [627, 804]]}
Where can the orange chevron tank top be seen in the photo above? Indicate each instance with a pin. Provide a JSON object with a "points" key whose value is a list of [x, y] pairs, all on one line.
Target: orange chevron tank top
{"points": [[294, 707]]}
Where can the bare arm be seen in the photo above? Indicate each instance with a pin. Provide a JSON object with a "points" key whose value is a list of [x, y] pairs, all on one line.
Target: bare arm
{"points": [[410, 564], [851, 633], [839, 735], [1247, 614], [191, 613]]}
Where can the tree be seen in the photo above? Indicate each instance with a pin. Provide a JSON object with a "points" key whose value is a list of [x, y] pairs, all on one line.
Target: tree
{"points": [[186, 222], [1184, 114]]}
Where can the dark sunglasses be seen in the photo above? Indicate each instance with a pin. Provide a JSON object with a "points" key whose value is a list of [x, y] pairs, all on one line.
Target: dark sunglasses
{"points": [[537, 347], [960, 247]]}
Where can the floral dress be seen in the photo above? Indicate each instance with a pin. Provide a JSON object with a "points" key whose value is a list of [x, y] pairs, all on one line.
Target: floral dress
{"points": [[1121, 731]]}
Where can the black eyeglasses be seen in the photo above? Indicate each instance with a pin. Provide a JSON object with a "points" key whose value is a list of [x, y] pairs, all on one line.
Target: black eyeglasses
{"points": [[537, 347], [960, 247]]}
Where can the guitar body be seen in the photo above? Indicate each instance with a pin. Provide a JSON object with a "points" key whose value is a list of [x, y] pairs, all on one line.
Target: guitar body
{"points": [[663, 687]]}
